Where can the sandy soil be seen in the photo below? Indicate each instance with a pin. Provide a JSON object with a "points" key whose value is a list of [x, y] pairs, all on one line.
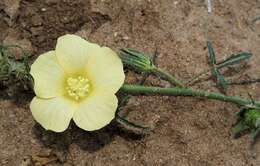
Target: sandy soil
{"points": [[190, 132]]}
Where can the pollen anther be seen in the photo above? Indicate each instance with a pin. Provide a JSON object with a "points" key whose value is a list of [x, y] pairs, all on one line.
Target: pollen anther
{"points": [[77, 87]]}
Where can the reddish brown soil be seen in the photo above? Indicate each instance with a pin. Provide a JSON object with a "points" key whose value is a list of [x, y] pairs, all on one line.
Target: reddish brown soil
{"points": [[190, 132]]}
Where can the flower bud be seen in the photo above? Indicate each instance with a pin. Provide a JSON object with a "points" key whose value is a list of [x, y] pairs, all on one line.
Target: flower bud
{"points": [[137, 60]]}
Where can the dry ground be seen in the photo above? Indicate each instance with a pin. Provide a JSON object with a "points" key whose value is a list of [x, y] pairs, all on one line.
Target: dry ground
{"points": [[190, 132]]}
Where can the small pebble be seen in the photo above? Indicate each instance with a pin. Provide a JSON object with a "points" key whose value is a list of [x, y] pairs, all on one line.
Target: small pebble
{"points": [[126, 38], [115, 34]]}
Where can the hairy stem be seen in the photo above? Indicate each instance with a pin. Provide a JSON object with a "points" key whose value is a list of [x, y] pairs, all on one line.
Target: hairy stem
{"points": [[168, 77], [176, 91]]}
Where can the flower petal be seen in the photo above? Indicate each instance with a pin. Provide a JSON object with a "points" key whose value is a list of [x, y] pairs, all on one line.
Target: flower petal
{"points": [[105, 70], [73, 52], [96, 111], [48, 76], [53, 114]]}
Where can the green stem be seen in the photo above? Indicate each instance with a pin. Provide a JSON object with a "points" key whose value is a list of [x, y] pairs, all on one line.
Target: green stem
{"points": [[166, 76], [176, 91]]}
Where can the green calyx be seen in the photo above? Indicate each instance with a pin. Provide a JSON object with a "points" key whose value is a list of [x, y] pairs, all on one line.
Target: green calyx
{"points": [[137, 60], [143, 63]]}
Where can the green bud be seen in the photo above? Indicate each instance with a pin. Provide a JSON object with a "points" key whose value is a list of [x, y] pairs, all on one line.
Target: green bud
{"points": [[137, 60]]}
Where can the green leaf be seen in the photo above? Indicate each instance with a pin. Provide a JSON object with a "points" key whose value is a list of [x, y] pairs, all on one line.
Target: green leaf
{"points": [[251, 117], [211, 51], [221, 81], [254, 134], [215, 72], [257, 123], [13, 71], [132, 51], [138, 129], [241, 112], [123, 102], [234, 59], [238, 128]]}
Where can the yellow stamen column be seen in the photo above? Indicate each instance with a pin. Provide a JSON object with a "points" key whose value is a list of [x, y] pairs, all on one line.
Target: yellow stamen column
{"points": [[77, 87]]}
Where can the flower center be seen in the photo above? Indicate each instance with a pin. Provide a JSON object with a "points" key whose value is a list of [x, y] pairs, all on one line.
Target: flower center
{"points": [[77, 87]]}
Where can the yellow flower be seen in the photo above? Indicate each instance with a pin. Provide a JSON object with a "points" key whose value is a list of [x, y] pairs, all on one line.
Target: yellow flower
{"points": [[78, 80]]}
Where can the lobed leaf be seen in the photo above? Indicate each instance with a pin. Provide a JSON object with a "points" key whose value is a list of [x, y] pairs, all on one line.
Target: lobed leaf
{"points": [[221, 81], [212, 56], [234, 59]]}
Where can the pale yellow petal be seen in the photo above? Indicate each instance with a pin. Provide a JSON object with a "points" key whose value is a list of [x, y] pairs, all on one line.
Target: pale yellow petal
{"points": [[105, 70], [96, 111], [53, 114], [73, 52], [48, 76]]}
